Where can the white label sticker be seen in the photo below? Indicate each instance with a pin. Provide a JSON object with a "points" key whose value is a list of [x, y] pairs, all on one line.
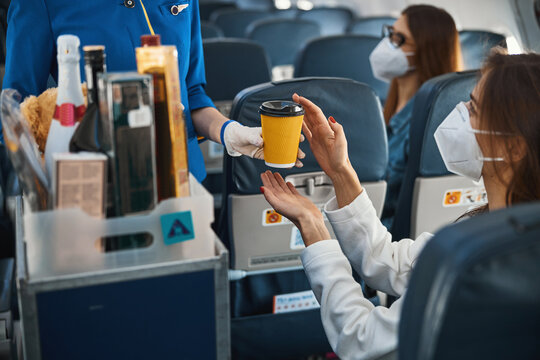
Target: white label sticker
{"points": [[215, 150], [140, 117], [297, 243], [304, 300], [271, 218]]}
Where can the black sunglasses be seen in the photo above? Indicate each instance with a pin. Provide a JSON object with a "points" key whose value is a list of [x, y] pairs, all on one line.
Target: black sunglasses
{"points": [[396, 38]]}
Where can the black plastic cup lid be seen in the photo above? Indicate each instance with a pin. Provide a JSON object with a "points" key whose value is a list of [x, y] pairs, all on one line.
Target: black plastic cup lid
{"points": [[94, 53], [281, 108]]}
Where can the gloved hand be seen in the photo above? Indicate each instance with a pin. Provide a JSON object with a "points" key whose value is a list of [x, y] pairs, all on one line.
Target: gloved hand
{"points": [[243, 140]]}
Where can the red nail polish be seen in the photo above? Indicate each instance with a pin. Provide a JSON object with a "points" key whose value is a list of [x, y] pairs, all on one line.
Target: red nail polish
{"points": [[332, 119], [262, 190]]}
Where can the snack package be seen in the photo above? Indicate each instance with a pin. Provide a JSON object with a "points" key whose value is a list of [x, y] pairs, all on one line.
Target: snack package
{"points": [[39, 112], [23, 151]]}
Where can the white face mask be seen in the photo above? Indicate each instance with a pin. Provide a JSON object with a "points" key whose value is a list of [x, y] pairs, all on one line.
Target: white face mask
{"points": [[458, 146], [388, 61]]}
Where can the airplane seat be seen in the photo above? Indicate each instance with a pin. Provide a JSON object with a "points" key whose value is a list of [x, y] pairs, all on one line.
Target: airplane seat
{"points": [[210, 31], [332, 20], [476, 291], [430, 196], [290, 13], [283, 39], [265, 246], [475, 46], [234, 22], [354, 105], [341, 56], [256, 4], [7, 308], [9, 189], [370, 26], [207, 8], [231, 65]]}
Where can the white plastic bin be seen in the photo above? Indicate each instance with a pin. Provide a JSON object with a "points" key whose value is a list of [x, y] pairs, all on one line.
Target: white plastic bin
{"points": [[65, 242]]}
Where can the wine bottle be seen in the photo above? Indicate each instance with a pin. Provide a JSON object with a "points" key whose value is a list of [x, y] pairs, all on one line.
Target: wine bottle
{"points": [[70, 106], [89, 134]]}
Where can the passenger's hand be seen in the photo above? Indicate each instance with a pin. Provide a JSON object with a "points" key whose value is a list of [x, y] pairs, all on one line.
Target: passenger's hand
{"points": [[303, 213], [326, 138], [243, 140]]}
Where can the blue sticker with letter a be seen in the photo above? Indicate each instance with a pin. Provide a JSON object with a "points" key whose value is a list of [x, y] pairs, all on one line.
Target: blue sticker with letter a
{"points": [[177, 227]]}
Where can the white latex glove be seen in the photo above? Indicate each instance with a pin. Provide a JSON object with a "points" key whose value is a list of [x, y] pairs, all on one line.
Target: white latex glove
{"points": [[243, 140]]}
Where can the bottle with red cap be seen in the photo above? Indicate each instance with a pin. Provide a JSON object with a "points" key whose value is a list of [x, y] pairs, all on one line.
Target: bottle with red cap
{"points": [[70, 106]]}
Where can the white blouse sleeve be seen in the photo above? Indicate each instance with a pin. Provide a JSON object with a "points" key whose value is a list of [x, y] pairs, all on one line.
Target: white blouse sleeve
{"points": [[384, 265], [356, 329]]}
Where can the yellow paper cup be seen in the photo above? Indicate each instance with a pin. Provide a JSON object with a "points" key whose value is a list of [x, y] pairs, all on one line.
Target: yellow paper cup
{"points": [[281, 128]]}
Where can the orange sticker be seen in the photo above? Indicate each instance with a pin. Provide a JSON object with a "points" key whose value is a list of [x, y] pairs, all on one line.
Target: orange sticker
{"points": [[273, 217], [452, 198]]}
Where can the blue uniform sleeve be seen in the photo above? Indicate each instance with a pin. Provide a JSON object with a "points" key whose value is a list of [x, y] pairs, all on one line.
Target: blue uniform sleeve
{"points": [[30, 47], [196, 78]]}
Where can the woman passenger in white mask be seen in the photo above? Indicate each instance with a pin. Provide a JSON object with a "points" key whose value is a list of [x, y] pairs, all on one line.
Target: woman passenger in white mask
{"points": [[422, 43], [496, 135]]}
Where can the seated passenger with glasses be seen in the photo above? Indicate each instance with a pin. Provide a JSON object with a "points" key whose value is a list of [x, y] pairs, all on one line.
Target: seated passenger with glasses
{"points": [[422, 43], [496, 136]]}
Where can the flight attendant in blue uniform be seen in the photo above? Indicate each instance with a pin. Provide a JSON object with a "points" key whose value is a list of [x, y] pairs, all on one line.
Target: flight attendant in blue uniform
{"points": [[34, 26]]}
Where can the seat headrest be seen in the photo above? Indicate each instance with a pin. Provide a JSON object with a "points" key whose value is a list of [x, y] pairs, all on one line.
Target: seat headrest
{"points": [[433, 102], [283, 38], [474, 292], [209, 30], [232, 65], [341, 56], [234, 22], [256, 4], [354, 105], [207, 8], [475, 46], [370, 26], [333, 20]]}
